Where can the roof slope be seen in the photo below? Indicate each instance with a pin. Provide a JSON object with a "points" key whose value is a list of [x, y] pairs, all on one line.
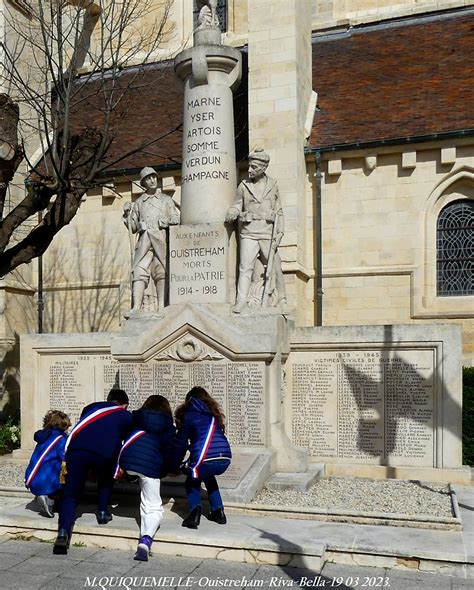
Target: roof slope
{"points": [[146, 126], [410, 78]]}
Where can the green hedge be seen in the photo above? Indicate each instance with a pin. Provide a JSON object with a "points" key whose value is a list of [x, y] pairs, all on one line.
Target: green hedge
{"points": [[468, 416]]}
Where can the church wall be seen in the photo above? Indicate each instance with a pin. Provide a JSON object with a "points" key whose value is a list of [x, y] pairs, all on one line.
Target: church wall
{"points": [[86, 269], [329, 13], [321, 14], [379, 235], [279, 98]]}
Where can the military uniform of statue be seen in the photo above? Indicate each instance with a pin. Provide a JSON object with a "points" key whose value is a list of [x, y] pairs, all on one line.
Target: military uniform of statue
{"points": [[259, 211], [149, 216]]}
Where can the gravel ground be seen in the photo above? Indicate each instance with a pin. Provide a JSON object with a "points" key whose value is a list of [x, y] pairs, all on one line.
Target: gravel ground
{"points": [[12, 475], [361, 495], [364, 495]]}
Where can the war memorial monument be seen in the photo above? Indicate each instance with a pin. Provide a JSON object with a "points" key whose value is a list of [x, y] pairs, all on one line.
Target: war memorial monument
{"points": [[370, 401]]}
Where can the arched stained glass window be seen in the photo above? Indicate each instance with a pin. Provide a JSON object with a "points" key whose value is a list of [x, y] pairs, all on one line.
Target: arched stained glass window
{"points": [[455, 249]]}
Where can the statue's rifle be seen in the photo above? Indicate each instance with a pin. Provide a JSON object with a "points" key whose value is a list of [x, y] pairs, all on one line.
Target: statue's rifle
{"points": [[268, 273], [131, 244]]}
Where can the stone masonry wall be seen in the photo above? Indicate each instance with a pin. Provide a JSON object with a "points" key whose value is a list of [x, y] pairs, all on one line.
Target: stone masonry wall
{"points": [[279, 91], [379, 236]]}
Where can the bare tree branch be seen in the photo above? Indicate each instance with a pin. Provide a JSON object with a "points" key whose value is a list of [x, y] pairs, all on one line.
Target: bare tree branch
{"points": [[62, 56]]}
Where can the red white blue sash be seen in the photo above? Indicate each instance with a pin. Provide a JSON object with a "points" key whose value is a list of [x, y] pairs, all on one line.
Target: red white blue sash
{"points": [[205, 448], [136, 435], [89, 419], [41, 459]]}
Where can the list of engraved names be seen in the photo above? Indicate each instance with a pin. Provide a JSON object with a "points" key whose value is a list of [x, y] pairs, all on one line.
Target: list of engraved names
{"points": [[238, 387], [78, 380], [367, 406]]}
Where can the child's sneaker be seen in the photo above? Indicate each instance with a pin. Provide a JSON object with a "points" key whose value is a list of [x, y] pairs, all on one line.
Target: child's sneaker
{"points": [[46, 506], [143, 549]]}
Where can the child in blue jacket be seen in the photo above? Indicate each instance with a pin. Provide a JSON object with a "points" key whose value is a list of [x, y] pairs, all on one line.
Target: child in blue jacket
{"points": [[146, 454], [44, 468], [200, 423]]}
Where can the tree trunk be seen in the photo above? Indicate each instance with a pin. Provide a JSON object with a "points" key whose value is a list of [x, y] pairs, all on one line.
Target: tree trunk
{"points": [[11, 154]]}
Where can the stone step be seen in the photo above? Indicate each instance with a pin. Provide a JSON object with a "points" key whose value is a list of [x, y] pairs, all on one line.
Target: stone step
{"points": [[300, 482], [258, 539]]}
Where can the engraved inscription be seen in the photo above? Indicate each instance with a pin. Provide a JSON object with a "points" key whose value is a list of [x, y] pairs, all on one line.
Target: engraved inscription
{"points": [[367, 406], [70, 384], [75, 381], [204, 146], [238, 387], [198, 255]]}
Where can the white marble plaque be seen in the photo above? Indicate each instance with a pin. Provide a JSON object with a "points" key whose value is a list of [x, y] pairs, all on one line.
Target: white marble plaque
{"points": [[198, 263], [230, 479], [238, 469], [365, 406]]}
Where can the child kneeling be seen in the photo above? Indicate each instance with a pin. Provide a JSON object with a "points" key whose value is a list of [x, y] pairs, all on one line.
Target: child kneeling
{"points": [[145, 454], [42, 476], [200, 423]]}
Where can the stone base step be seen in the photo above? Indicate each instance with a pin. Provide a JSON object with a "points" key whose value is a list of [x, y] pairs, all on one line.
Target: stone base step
{"points": [[300, 482], [258, 539]]}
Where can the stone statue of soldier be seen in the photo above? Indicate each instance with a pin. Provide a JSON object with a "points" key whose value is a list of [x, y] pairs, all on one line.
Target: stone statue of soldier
{"points": [[259, 212], [149, 216]]}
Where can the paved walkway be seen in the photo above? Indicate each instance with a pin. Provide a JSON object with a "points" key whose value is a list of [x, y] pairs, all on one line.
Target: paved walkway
{"points": [[30, 565], [330, 554]]}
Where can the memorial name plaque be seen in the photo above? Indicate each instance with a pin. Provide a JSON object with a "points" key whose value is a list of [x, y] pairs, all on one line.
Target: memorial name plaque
{"points": [[238, 387], [198, 259], [366, 406], [77, 380]]}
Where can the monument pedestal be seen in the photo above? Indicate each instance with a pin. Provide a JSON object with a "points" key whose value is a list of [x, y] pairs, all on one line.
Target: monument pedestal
{"points": [[237, 359], [370, 401]]}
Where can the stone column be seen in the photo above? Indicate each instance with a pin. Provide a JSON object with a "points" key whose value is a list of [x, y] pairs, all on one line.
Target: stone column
{"points": [[210, 73], [202, 248]]}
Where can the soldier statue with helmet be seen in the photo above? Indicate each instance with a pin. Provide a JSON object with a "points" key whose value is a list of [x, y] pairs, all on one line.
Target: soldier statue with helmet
{"points": [[149, 216]]}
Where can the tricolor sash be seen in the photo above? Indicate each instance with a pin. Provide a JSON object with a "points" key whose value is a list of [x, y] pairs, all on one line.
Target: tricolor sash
{"points": [[205, 448], [136, 435], [96, 415], [41, 459]]}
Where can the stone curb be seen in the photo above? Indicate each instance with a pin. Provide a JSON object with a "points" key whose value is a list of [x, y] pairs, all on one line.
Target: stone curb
{"points": [[454, 501], [356, 517], [326, 515], [259, 540]]}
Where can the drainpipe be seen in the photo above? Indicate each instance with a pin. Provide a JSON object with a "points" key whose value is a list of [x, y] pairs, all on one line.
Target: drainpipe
{"points": [[40, 302], [319, 242]]}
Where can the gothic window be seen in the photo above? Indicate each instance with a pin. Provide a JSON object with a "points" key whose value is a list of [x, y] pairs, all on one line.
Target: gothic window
{"points": [[455, 249], [221, 13]]}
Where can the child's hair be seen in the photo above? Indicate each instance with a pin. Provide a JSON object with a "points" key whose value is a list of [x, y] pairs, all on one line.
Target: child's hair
{"points": [[56, 419], [158, 403], [201, 393], [118, 396]]}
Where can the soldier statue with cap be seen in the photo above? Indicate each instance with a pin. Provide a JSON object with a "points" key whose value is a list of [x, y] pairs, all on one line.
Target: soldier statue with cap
{"points": [[149, 216], [259, 212]]}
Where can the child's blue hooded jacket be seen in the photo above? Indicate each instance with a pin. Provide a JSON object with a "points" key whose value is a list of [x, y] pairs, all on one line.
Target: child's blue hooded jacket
{"points": [[201, 436], [45, 475], [149, 454]]}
